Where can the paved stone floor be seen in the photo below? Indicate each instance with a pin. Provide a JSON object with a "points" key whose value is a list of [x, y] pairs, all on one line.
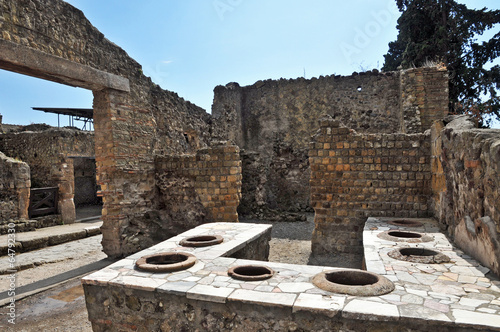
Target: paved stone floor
{"points": [[43, 312], [48, 236], [52, 254], [61, 309], [51, 261]]}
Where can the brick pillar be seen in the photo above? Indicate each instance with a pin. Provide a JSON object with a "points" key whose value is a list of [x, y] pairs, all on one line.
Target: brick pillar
{"points": [[220, 188], [337, 234], [424, 97], [105, 150], [124, 132], [355, 176]]}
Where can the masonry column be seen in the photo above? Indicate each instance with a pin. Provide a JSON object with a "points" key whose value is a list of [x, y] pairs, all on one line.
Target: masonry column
{"points": [[124, 136], [336, 238], [105, 150]]}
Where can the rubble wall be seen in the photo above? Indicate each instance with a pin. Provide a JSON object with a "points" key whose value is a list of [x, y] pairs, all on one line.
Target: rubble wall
{"points": [[355, 176], [41, 150], [465, 184], [14, 189]]}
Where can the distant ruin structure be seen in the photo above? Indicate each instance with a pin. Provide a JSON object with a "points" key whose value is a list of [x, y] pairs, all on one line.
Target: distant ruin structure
{"points": [[384, 146], [53, 155]]}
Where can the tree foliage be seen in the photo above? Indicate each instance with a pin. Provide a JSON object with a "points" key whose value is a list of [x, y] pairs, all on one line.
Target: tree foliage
{"points": [[444, 31]]}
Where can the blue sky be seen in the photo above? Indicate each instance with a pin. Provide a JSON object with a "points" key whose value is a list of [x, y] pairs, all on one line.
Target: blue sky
{"points": [[191, 46]]}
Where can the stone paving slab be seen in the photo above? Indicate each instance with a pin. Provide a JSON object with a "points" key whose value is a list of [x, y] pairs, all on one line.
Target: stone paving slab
{"points": [[456, 294], [51, 254], [50, 236]]}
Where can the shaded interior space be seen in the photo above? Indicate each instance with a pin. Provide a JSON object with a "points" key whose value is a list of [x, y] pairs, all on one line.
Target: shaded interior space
{"points": [[88, 204], [88, 212]]}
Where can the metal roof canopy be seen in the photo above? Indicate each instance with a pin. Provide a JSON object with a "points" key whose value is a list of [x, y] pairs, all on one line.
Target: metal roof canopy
{"points": [[79, 114]]}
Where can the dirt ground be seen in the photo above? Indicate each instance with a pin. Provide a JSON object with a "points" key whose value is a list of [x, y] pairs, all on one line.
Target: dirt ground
{"points": [[62, 308]]}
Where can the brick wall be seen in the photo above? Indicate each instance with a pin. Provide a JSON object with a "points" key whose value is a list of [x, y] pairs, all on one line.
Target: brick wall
{"points": [[354, 176], [14, 188], [194, 189], [466, 182], [215, 174], [48, 153], [132, 127]]}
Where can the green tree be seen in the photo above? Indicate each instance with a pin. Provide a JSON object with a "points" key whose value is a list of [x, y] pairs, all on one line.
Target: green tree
{"points": [[444, 31]]}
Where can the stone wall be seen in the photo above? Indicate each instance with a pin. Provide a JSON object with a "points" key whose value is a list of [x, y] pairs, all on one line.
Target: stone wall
{"points": [[14, 188], [275, 189], [193, 190], [273, 120], [355, 176], [133, 122], [466, 182], [43, 149], [85, 182], [48, 154]]}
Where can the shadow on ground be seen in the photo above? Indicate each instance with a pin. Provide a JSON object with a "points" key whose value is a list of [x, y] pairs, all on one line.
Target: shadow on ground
{"points": [[297, 230]]}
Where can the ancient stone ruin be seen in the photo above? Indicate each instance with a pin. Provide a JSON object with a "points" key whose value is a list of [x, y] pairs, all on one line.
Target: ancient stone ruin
{"points": [[357, 150], [57, 158]]}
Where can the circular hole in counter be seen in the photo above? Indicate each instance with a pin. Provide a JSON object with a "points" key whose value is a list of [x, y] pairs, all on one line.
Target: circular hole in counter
{"points": [[402, 236], [250, 272], [353, 282], [166, 262], [419, 255], [201, 241], [405, 235], [405, 223]]}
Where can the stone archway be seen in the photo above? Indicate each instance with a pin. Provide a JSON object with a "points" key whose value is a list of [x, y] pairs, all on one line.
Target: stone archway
{"points": [[134, 119]]}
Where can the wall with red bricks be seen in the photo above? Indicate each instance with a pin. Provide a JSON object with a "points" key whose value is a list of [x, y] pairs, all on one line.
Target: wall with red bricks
{"points": [[274, 118], [196, 189], [355, 176], [424, 97]]}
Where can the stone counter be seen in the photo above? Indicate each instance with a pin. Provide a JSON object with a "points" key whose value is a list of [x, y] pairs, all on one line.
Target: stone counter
{"points": [[456, 292], [204, 297]]}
